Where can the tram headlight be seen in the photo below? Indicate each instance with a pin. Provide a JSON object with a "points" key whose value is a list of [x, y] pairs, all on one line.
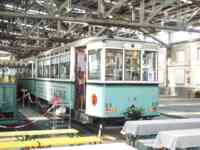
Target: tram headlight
{"points": [[94, 99]]}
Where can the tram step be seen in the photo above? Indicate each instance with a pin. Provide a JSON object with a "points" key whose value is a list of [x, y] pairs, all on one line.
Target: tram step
{"points": [[82, 117]]}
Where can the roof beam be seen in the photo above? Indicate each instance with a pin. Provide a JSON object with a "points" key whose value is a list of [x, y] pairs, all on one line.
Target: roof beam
{"points": [[101, 8], [193, 15], [117, 6], [21, 37], [101, 31], [141, 11], [154, 38], [102, 22], [36, 26], [158, 10], [67, 4], [108, 13]]}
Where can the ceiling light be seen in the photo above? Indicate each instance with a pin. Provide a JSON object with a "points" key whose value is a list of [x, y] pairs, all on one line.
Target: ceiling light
{"points": [[187, 1]]}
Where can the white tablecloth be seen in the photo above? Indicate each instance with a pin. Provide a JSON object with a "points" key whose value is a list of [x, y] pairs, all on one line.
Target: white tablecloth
{"points": [[178, 139], [150, 127], [110, 146]]}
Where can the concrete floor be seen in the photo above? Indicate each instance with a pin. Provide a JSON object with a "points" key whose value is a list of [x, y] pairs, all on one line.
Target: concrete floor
{"points": [[180, 108], [169, 108]]}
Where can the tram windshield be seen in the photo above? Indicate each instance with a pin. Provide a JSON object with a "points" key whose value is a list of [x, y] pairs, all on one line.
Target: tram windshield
{"points": [[94, 61], [131, 65], [149, 66], [114, 64]]}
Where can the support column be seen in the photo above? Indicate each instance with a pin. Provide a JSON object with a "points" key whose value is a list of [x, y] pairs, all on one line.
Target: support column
{"points": [[58, 28], [101, 8], [142, 11], [168, 55]]}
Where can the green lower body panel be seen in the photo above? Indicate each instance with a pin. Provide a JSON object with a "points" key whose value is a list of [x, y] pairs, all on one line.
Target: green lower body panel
{"points": [[7, 103], [47, 89], [10, 121]]}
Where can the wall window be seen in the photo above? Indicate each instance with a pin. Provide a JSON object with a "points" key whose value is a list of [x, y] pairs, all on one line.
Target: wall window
{"points": [[132, 65], [198, 54], [94, 64], [55, 67], [114, 64], [179, 76], [65, 66], [149, 66], [180, 56]]}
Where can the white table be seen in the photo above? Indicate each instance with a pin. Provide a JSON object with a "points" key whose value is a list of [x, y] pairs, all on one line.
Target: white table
{"points": [[110, 146], [152, 127], [178, 139]]}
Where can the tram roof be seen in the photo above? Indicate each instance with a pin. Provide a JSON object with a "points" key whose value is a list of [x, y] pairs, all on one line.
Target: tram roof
{"points": [[85, 41]]}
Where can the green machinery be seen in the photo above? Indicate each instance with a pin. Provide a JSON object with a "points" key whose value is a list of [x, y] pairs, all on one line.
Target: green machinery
{"points": [[7, 94]]}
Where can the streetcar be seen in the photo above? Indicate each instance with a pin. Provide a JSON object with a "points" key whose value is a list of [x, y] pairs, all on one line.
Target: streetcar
{"points": [[98, 77]]}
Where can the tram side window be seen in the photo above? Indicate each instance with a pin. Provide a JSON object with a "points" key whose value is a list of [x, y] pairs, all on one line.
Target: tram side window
{"points": [[29, 70], [65, 66], [114, 64], [149, 71], [46, 68], [94, 62], [40, 69], [21, 71], [34, 70], [54, 67], [132, 65]]}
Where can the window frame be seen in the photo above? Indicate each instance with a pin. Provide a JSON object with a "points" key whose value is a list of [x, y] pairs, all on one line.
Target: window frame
{"points": [[198, 54], [65, 55], [40, 63], [100, 50], [140, 63], [178, 58], [123, 71], [114, 48], [155, 70]]}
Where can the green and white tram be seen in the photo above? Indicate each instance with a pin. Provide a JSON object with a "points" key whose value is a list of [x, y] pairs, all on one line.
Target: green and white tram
{"points": [[98, 77]]}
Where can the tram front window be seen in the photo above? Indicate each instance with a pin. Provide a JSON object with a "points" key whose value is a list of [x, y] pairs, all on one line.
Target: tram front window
{"points": [[65, 66], [149, 71], [94, 69], [114, 64], [132, 65]]}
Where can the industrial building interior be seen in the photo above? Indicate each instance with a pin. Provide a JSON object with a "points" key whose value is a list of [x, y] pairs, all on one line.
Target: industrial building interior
{"points": [[99, 74]]}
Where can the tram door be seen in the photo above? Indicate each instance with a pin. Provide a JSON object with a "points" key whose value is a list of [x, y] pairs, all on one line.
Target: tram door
{"points": [[80, 79]]}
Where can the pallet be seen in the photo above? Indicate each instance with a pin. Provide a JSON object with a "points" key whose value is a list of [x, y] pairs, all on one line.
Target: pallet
{"points": [[50, 142]]}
